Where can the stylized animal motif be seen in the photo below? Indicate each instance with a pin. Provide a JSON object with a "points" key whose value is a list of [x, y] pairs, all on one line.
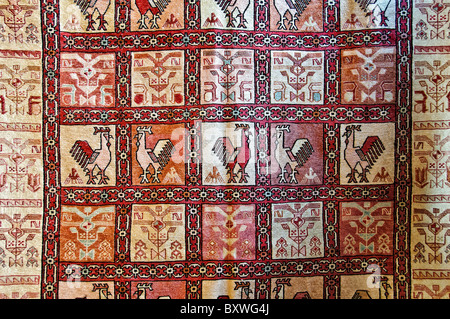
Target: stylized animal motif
{"points": [[360, 159], [294, 157], [88, 9], [90, 159], [157, 158], [155, 7], [231, 155], [213, 20], [383, 176], [230, 6], [214, 176], [294, 8]]}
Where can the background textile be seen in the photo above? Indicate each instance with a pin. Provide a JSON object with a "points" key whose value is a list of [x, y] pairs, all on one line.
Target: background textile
{"points": [[208, 149]]}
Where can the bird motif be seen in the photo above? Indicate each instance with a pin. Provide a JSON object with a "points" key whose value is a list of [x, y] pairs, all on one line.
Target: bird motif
{"points": [[214, 176], [89, 8], [90, 159], [155, 7], [360, 159], [294, 8], [233, 156], [213, 20], [294, 157], [172, 177], [157, 157], [229, 7]]}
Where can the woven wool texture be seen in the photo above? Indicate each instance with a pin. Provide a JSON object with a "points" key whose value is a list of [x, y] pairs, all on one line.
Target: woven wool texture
{"points": [[207, 149]]}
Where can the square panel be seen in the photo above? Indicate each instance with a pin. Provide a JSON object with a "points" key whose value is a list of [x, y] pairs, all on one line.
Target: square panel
{"points": [[88, 79], [228, 232], [88, 155], [368, 75], [297, 230], [227, 76], [158, 154], [20, 85], [157, 78], [87, 233], [367, 153], [297, 77], [296, 154], [366, 228], [228, 153], [158, 232]]}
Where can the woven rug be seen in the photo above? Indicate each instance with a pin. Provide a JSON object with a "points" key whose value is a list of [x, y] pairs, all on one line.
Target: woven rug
{"points": [[241, 149]]}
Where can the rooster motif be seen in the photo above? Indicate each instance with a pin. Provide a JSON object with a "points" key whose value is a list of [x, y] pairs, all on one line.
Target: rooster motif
{"points": [[157, 158], [155, 7], [229, 7], [88, 9], [294, 8], [233, 156], [294, 157], [90, 159], [360, 159]]}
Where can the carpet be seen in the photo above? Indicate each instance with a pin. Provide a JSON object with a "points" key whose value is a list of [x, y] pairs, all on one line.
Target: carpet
{"points": [[204, 149]]}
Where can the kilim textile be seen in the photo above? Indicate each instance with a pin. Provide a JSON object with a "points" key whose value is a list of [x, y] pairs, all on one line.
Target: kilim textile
{"points": [[203, 149]]}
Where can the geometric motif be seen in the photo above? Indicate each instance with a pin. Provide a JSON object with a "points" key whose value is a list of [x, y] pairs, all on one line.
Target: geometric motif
{"points": [[87, 79], [431, 21], [87, 233], [158, 78], [297, 77], [18, 233], [297, 230], [157, 233], [432, 79], [21, 24], [368, 75], [228, 232], [20, 84], [366, 228], [20, 159], [432, 224], [432, 151], [227, 76]]}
